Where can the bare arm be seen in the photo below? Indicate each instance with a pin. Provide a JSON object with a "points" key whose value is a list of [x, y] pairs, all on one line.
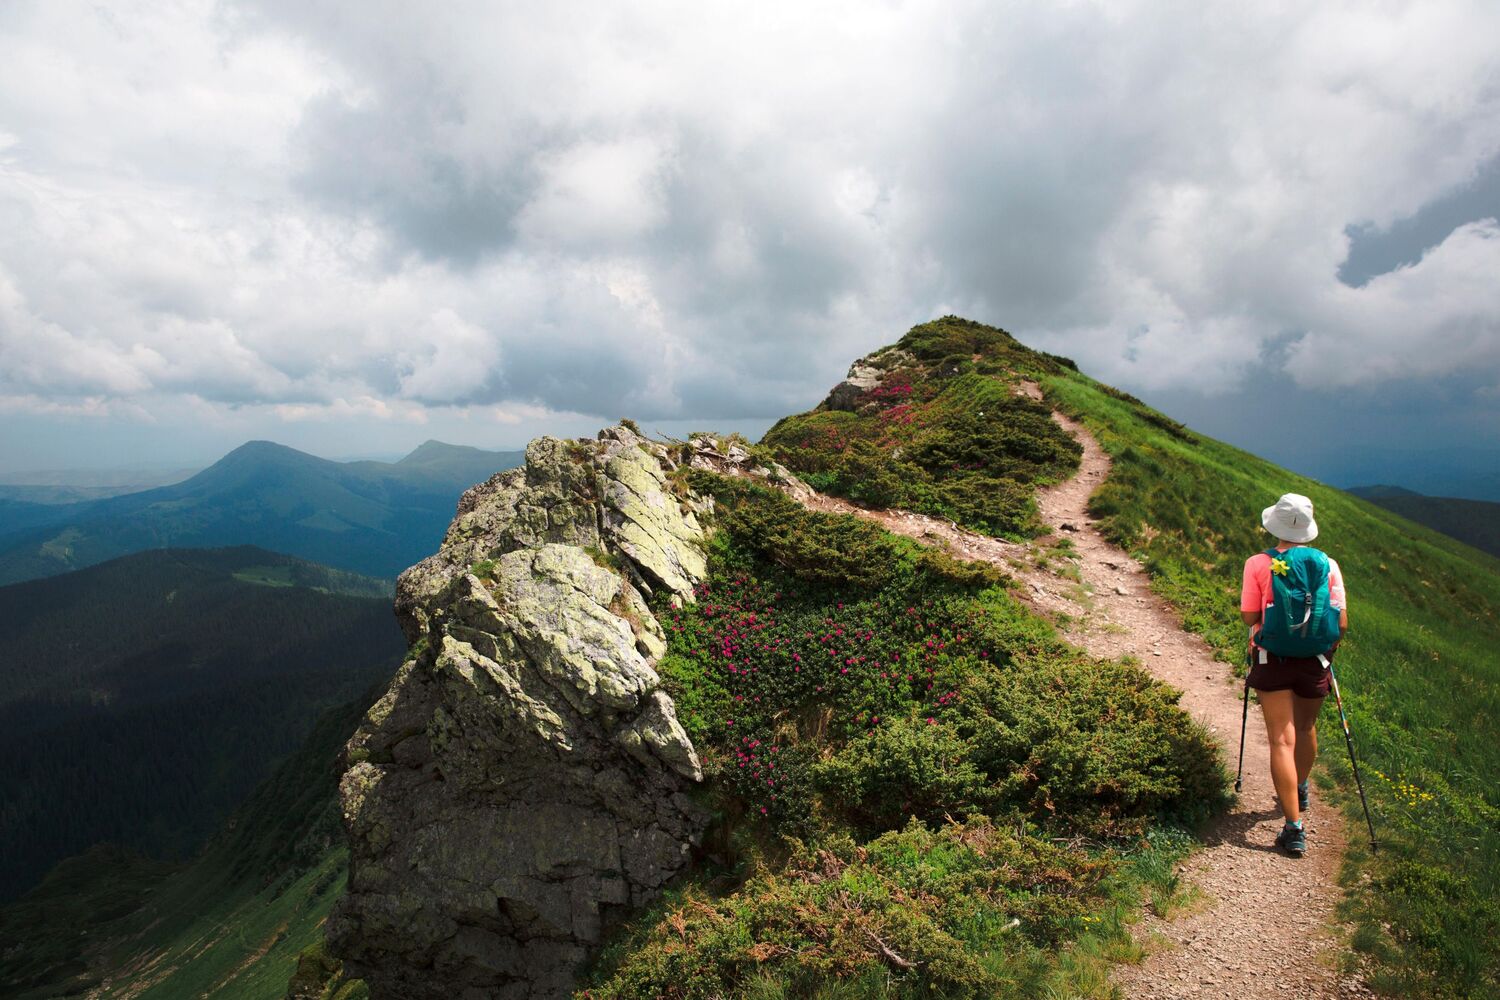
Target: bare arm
{"points": [[1251, 617]]}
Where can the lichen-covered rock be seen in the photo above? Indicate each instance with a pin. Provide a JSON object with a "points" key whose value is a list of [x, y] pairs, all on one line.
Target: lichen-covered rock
{"points": [[727, 457], [523, 780]]}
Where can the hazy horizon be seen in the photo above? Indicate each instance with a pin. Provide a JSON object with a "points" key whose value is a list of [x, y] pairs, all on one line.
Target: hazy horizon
{"points": [[1453, 472]]}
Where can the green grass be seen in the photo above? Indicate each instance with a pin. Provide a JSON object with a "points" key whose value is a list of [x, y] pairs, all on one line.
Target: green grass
{"points": [[247, 945], [965, 910], [323, 579], [266, 576], [1420, 673]]}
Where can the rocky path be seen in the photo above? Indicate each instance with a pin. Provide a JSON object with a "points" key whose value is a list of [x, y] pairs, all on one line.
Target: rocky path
{"points": [[1264, 925]]}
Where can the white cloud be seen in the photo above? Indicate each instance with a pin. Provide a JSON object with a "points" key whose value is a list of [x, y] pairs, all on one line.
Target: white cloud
{"points": [[455, 359], [1435, 317], [596, 195], [670, 209]]}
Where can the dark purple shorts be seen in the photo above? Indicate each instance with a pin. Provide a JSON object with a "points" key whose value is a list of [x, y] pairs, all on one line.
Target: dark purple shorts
{"points": [[1304, 676]]}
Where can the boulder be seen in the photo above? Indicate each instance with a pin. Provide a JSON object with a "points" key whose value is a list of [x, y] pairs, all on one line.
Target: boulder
{"points": [[524, 781]]}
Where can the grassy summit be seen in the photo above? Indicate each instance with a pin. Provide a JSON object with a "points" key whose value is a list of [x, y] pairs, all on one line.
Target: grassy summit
{"points": [[942, 430], [921, 789]]}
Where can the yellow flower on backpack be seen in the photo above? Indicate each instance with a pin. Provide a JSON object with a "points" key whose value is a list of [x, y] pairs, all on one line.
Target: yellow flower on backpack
{"points": [[1279, 567]]}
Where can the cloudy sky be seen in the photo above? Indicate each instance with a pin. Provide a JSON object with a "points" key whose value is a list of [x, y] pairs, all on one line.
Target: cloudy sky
{"points": [[350, 227]]}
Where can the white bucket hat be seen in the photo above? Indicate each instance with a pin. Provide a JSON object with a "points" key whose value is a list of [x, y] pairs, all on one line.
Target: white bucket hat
{"points": [[1291, 519]]}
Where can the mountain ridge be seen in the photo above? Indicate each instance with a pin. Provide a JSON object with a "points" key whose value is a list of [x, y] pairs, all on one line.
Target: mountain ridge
{"points": [[1473, 522], [951, 422], [374, 518], [781, 578]]}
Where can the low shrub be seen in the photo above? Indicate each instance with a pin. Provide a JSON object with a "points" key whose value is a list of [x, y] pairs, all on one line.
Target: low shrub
{"points": [[1085, 746], [924, 689], [913, 913]]}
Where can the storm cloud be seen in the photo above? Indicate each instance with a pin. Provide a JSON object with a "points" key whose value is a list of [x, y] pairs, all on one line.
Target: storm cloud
{"points": [[677, 211]]}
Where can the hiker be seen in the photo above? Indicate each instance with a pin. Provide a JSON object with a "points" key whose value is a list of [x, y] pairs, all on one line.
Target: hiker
{"points": [[1293, 600]]}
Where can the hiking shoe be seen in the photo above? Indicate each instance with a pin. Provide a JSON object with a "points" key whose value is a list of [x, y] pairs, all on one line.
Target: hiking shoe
{"points": [[1293, 840], [1304, 797]]}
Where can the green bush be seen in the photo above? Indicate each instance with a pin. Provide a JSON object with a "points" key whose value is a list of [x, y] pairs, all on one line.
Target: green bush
{"points": [[836, 550], [1091, 746], [907, 767]]}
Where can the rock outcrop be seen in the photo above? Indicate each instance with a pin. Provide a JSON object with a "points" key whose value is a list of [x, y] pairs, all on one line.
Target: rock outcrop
{"points": [[864, 376], [525, 779], [728, 457]]}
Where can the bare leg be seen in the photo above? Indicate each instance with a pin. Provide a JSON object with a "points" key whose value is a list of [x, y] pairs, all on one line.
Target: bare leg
{"points": [[1305, 720], [1276, 706]]}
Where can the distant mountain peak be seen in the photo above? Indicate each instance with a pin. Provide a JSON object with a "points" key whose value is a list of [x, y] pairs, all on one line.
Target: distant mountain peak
{"points": [[435, 450], [262, 451]]}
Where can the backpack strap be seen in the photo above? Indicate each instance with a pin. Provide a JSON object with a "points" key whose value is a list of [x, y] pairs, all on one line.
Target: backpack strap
{"points": [[1255, 638]]}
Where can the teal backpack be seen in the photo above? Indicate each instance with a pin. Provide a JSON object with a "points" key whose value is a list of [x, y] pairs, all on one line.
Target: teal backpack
{"points": [[1300, 621]]}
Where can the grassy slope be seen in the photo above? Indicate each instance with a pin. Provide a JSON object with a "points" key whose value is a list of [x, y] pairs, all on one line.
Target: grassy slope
{"points": [[1419, 668], [1420, 673]]}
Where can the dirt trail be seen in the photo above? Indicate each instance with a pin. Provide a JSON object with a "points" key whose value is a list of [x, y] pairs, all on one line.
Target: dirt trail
{"points": [[1265, 923]]}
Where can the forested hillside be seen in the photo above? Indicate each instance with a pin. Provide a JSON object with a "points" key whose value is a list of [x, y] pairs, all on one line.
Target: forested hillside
{"points": [[142, 699], [228, 924]]}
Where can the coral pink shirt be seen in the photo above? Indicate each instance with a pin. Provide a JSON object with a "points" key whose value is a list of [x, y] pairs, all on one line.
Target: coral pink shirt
{"points": [[1255, 591]]}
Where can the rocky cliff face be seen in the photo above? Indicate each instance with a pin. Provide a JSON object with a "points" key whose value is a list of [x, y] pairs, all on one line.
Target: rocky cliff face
{"points": [[524, 778]]}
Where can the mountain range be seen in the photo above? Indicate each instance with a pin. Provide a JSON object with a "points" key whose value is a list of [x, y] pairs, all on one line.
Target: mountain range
{"points": [[374, 518]]}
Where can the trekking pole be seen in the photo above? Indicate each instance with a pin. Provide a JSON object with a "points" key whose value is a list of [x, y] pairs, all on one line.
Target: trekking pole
{"points": [[1239, 775], [1349, 741]]}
